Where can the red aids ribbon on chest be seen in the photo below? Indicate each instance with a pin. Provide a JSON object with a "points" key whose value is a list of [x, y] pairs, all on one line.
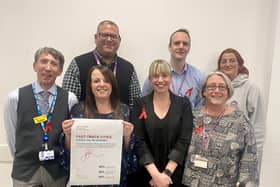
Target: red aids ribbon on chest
{"points": [[198, 130], [189, 92], [48, 126], [143, 114]]}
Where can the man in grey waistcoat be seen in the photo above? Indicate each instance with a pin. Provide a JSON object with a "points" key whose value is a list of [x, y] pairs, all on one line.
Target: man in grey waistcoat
{"points": [[33, 115]]}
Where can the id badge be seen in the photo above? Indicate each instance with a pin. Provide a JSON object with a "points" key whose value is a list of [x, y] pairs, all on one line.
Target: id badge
{"points": [[40, 119], [46, 155], [200, 161]]}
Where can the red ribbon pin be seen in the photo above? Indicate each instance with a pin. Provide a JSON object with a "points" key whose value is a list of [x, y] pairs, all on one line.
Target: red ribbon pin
{"points": [[198, 130], [189, 92], [48, 126], [143, 114]]}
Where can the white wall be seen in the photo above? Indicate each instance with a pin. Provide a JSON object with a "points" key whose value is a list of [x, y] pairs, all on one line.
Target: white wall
{"points": [[271, 165], [69, 25]]}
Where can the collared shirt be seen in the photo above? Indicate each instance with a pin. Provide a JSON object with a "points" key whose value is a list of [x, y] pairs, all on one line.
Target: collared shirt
{"points": [[10, 111], [38, 89], [187, 83], [101, 61]]}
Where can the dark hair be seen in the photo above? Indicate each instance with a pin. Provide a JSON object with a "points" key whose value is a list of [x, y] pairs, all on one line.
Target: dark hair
{"points": [[179, 30], [90, 107], [49, 50], [242, 69]]}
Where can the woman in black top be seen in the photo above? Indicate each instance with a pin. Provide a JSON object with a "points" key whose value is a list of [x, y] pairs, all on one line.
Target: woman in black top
{"points": [[163, 128]]}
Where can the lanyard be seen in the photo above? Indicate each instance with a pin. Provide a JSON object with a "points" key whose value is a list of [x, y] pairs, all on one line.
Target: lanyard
{"points": [[46, 128], [181, 84], [99, 63], [206, 134]]}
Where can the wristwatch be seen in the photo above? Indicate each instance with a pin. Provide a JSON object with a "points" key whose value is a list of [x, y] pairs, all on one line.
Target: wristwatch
{"points": [[167, 172]]}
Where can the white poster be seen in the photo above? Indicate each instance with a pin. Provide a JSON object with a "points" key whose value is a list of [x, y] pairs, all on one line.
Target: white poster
{"points": [[96, 146]]}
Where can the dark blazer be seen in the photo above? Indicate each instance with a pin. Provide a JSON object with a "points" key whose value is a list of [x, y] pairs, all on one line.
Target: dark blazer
{"points": [[161, 140]]}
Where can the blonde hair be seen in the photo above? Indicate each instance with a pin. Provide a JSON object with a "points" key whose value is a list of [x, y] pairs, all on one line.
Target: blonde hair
{"points": [[159, 66]]}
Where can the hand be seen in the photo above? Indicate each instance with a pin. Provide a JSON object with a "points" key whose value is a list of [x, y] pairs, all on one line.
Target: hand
{"points": [[152, 183], [66, 126], [161, 180], [127, 129]]}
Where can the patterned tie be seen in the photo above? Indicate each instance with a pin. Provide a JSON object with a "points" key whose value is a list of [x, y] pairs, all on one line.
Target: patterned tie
{"points": [[44, 101]]}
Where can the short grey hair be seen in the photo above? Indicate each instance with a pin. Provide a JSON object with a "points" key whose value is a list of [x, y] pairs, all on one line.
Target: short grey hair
{"points": [[106, 22], [226, 79], [49, 50]]}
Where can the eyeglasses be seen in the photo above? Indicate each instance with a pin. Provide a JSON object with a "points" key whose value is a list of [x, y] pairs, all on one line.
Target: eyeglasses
{"points": [[214, 87], [107, 36]]}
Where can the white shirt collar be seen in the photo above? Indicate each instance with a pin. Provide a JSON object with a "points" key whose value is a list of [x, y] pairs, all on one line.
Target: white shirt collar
{"points": [[39, 89]]}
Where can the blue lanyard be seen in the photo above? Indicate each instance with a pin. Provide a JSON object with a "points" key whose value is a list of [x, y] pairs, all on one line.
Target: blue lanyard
{"points": [[50, 112]]}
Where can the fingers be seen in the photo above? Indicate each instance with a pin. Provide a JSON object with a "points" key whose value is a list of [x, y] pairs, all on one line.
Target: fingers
{"points": [[66, 126], [127, 125], [127, 128], [152, 183], [170, 181], [161, 180]]}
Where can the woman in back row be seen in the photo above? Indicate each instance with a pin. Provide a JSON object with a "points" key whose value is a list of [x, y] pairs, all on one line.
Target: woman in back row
{"points": [[247, 96]]}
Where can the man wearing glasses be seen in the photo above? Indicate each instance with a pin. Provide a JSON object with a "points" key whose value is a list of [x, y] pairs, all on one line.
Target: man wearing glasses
{"points": [[107, 40]]}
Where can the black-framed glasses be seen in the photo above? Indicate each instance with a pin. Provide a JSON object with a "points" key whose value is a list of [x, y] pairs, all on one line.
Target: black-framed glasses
{"points": [[108, 35], [213, 87]]}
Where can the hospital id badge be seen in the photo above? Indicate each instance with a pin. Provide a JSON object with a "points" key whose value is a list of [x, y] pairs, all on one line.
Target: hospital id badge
{"points": [[40, 119], [46, 155], [200, 161]]}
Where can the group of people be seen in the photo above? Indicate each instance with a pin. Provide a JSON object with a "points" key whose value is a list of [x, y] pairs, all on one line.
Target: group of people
{"points": [[188, 129]]}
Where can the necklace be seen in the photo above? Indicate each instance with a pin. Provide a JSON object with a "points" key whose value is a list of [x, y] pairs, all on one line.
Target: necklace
{"points": [[206, 121]]}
